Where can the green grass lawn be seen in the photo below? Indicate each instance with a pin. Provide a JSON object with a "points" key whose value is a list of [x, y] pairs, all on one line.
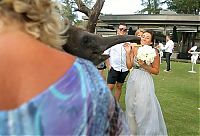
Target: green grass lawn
{"points": [[178, 94]]}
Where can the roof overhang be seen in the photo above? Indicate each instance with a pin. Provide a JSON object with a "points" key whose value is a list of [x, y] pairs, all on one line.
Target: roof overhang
{"points": [[145, 19], [177, 19]]}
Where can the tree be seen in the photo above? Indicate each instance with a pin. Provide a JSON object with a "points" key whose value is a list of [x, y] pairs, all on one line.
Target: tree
{"points": [[184, 6], [84, 6], [152, 6], [69, 8], [92, 13], [65, 7]]}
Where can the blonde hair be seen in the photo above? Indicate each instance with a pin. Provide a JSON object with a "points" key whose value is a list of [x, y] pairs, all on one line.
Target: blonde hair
{"points": [[139, 30], [39, 18]]}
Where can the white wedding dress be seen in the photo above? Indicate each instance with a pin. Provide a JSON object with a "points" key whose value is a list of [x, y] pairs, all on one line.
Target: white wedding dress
{"points": [[143, 110]]}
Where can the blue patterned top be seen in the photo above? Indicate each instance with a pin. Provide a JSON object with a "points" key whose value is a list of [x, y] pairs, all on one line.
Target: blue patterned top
{"points": [[79, 103]]}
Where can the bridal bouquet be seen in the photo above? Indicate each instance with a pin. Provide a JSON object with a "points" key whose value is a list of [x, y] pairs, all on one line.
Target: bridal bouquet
{"points": [[146, 53]]}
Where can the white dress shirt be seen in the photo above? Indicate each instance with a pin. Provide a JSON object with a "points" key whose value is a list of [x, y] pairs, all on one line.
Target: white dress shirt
{"points": [[169, 46], [117, 58]]}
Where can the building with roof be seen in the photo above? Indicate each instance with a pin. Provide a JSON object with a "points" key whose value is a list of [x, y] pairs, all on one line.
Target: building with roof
{"points": [[186, 26]]}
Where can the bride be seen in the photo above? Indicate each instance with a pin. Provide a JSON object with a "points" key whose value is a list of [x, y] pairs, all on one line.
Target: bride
{"points": [[143, 110]]}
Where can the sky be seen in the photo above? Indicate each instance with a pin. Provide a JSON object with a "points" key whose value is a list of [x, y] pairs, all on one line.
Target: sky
{"points": [[119, 7]]}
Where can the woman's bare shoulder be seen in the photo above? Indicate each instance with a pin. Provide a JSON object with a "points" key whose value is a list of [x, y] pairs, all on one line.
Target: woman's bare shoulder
{"points": [[33, 68]]}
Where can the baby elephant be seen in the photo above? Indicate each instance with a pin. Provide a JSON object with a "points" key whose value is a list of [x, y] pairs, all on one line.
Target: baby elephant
{"points": [[91, 46]]}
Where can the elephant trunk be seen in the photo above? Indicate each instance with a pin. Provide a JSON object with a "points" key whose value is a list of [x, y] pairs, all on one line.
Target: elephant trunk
{"points": [[113, 40]]}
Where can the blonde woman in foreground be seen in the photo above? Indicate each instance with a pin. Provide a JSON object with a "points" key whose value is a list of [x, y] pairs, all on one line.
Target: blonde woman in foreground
{"points": [[45, 91]]}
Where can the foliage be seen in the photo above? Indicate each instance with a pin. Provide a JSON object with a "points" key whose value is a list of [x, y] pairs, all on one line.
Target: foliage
{"points": [[179, 6], [184, 6], [70, 8], [152, 6], [67, 11], [88, 3]]}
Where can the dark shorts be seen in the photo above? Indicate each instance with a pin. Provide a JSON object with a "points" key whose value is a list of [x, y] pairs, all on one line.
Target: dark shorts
{"points": [[116, 76]]}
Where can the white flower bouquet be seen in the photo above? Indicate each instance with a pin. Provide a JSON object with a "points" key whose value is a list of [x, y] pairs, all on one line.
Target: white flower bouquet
{"points": [[146, 53]]}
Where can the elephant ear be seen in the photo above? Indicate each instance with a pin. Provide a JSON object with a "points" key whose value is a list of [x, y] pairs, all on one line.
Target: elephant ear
{"points": [[91, 46]]}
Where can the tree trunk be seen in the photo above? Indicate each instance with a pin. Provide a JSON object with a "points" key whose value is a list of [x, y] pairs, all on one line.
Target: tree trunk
{"points": [[149, 6], [92, 14]]}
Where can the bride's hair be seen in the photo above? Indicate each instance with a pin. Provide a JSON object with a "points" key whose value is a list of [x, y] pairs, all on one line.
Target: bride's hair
{"points": [[152, 36], [38, 17]]}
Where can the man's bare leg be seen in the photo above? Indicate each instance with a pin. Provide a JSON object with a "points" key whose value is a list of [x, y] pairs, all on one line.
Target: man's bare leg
{"points": [[111, 86], [118, 91]]}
